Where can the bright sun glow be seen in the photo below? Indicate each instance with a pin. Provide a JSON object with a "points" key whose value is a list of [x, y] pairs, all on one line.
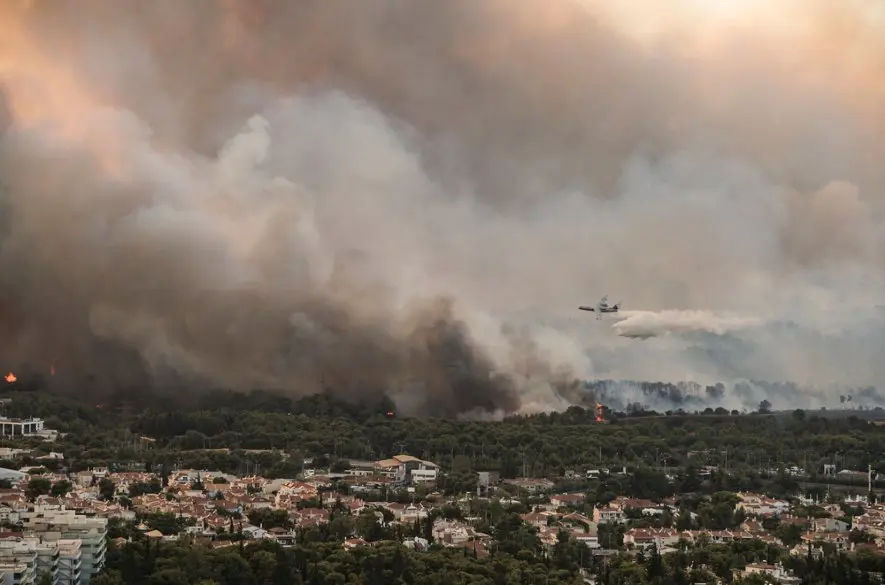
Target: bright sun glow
{"points": [[651, 18], [727, 9]]}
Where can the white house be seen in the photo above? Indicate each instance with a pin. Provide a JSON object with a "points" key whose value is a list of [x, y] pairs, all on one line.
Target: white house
{"points": [[408, 469], [778, 572]]}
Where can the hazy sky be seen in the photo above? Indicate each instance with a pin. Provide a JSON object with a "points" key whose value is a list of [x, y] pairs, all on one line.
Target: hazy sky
{"points": [[414, 196]]}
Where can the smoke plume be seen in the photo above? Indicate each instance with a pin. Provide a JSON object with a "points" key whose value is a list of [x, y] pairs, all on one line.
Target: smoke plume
{"points": [[411, 198], [647, 324]]}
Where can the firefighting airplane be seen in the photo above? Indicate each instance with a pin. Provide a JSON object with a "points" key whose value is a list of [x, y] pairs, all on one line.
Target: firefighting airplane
{"points": [[602, 307]]}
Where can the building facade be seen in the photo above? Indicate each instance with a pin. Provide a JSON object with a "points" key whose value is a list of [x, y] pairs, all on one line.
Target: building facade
{"points": [[406, 469], [18, 559], [63, 528], [21, 427]]}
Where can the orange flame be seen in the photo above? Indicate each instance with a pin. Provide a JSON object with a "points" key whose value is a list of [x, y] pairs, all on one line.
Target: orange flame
{"points": [[52, 370], [599, 413], [10, 378]]}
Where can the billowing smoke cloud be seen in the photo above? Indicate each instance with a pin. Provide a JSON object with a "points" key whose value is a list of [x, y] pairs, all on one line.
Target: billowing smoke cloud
{"points": [[647, 324], [411, 198]]}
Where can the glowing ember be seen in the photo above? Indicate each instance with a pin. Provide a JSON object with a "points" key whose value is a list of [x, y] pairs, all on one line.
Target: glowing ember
{"points": [[52, 370], [10, 378]]}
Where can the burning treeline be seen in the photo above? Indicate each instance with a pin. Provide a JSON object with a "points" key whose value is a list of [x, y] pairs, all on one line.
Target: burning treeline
{"points": [[12, 378]]}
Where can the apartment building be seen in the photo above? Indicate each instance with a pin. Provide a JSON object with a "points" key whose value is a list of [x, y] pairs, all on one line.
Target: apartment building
{"points": [[63, 526], [18, 559], [25, 560], [68, 570], [14, 573], [47, 555]]}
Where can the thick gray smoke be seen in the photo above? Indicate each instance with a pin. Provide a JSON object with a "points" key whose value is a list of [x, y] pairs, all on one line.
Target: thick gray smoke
{"points": [[412, 197]]}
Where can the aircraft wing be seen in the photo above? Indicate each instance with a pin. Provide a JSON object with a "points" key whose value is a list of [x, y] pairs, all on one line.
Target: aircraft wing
{"points": [[586, 308]]}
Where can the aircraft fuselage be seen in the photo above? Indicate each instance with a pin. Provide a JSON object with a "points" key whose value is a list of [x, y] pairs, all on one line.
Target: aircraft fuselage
{"points": [[600, 310]]}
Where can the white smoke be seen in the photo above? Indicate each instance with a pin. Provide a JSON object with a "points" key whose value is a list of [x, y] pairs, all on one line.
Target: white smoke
{"points": [[647, 324]]}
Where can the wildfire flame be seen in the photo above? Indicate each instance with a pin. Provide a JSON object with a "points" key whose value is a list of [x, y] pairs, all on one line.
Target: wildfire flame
{"points": [[10, 378], [52, 370], [599, 413]]}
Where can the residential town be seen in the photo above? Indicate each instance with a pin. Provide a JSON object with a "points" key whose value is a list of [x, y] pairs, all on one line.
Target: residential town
{"points": [[63, 533]]}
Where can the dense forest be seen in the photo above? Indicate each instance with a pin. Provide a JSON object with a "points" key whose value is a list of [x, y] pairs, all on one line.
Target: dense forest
{"points": [[619, 395], [229, 431]]}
